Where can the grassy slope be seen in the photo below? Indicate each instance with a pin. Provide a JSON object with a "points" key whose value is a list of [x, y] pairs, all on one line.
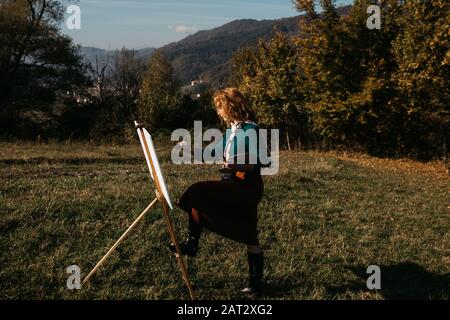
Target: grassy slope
{"points": [[324, 219]]}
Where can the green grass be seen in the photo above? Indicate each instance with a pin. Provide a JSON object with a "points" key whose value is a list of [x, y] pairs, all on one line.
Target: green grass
{"points": [[323, 220]]}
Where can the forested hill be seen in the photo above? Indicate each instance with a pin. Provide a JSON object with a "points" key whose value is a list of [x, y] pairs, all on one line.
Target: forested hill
{"points": [[91, 53], [205, 55]]}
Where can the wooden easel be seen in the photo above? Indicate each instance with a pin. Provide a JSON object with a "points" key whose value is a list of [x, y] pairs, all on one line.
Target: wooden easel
{"points": [[166, 212]]}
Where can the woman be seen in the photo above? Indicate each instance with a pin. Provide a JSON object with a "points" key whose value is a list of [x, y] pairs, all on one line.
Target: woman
{"points": [[229, 207]]}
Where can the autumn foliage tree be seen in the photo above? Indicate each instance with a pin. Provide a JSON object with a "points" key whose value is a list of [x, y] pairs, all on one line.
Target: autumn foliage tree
{"points": [[381, 91], [268, 75], [158, 100], [422, 53]]}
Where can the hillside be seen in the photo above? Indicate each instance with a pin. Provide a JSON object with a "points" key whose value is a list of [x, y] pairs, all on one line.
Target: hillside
{"points": [[90, 53], [205, 55]]}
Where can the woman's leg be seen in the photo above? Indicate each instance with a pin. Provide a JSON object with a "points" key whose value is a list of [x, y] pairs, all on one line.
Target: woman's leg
{"points": [[194, 215], [195, 229], [190, 245], [255, 258]]}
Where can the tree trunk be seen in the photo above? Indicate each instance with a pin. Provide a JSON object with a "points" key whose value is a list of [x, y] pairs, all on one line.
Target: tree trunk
{"points": [[288, 140]]}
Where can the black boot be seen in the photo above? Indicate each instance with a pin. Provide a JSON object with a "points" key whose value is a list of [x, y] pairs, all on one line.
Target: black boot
{"points": [[189, 247], [255, 267]]}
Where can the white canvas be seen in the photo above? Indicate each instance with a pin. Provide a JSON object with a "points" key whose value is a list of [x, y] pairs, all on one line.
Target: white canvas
{"points": [[158, 173]]}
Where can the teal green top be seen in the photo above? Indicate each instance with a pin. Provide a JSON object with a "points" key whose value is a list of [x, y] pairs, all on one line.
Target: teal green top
{"points": [[244, 143]]}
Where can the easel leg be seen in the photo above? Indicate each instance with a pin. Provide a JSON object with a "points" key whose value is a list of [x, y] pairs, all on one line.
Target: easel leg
{"points": [[119, 241], [178, 255]]}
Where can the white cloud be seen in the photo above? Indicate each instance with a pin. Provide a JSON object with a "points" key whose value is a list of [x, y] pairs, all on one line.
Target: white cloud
{"points": [[183, 28]]}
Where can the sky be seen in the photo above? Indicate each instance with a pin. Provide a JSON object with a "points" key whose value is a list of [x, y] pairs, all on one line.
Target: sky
{"points": [[137, 24]]}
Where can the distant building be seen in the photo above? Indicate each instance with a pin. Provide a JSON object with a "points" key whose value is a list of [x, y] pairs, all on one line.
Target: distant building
{"points": [[196, 89], [196, 82]]}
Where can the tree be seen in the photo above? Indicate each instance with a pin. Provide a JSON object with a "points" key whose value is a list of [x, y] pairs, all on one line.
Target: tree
{"points": [[115, 93], [422, 53], [125, 81], [98, 76], [323, 53], [383, 90], [306, 6], [158, 101], [36, 60], [243, 64], [268, 77]]}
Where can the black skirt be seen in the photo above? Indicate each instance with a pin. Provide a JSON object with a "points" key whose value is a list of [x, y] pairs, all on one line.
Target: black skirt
{"points": [[228, 207]]}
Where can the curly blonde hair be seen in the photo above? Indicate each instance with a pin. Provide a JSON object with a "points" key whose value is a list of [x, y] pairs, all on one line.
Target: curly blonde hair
{"points": [[232, 106]]}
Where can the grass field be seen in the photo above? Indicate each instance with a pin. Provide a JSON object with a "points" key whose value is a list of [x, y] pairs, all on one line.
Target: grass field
{"points": [[324, 219]]}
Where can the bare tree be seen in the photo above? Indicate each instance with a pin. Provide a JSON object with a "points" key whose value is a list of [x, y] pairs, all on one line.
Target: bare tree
{"points": [[98, 74], [126, 76]]}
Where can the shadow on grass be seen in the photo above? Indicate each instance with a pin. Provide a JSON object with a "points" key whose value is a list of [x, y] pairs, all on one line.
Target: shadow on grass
{"points": [[401, 281], [273, 288]]}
